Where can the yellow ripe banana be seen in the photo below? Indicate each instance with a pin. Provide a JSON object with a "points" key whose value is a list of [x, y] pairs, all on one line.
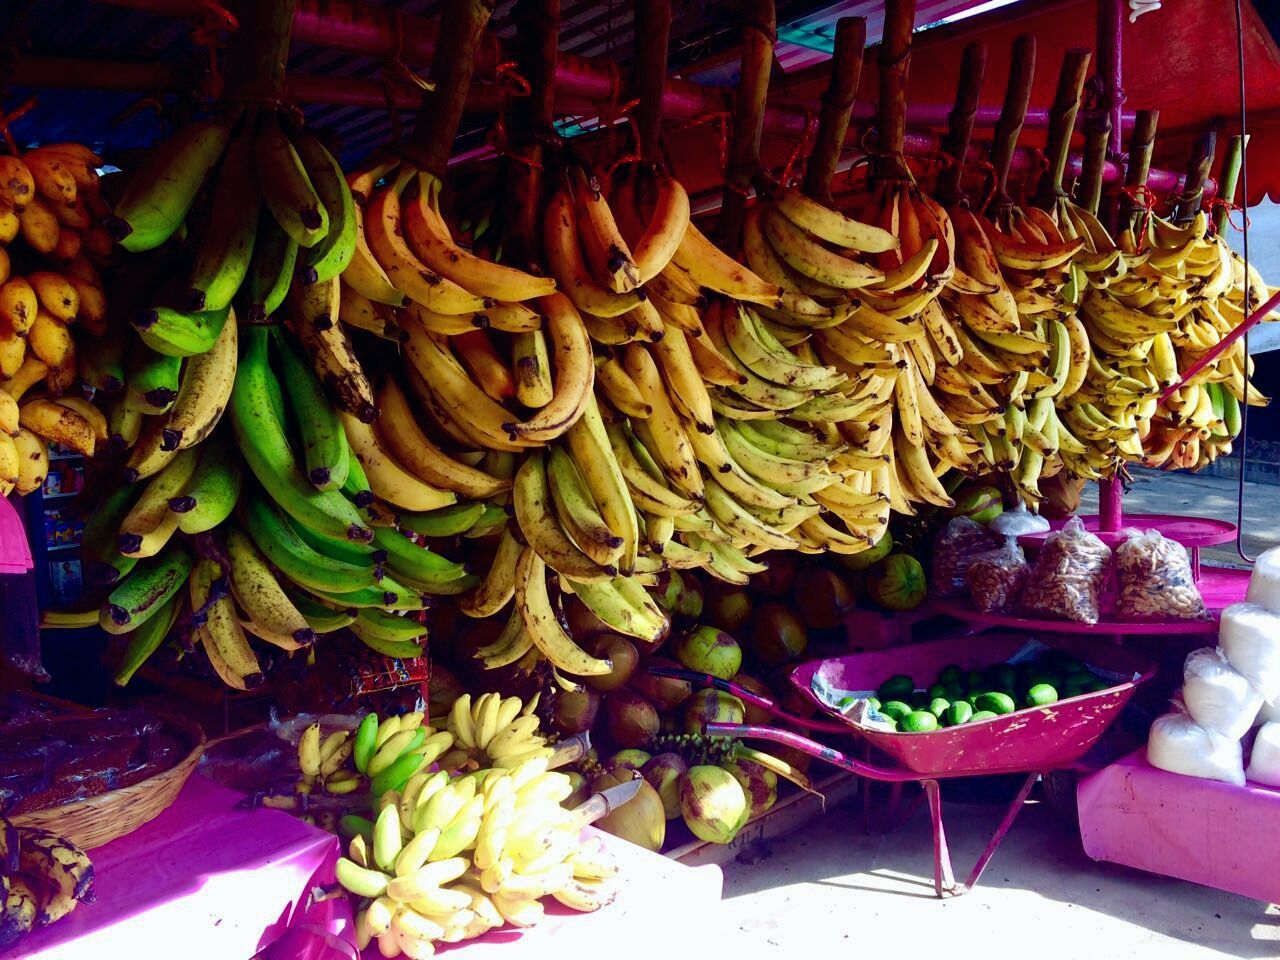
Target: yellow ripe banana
{"points": [[33, 461], [388, 478], [540, 621]]}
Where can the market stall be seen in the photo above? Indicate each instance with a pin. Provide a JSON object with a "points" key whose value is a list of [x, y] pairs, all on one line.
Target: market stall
{"points": [[463, 468]]}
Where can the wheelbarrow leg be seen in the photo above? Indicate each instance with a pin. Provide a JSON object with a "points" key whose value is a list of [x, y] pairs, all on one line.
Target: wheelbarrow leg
{"points": [[944, 880], [1001, 830]]}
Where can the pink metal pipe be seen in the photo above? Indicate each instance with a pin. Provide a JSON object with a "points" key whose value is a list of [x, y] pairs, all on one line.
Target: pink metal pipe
{"points": [[1110, 505], [753, 731], [748, 697], [1223, 345]]}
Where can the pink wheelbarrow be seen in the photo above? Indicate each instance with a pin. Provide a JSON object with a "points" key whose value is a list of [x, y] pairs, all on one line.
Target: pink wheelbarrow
{"points": [[1031, 742]]}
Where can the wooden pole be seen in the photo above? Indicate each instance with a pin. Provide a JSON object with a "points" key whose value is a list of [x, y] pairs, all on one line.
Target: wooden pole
{"points": [[1062, 121], [1005, 139], [529, 124], [1197, 172], [837, 107], [973, 66], [895, 64], [760, 33], [462, 24], [1141, 142], [649, 76]]}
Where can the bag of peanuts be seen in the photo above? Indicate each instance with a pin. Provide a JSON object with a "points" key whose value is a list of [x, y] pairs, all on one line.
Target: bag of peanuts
{"points": [[959, 540], [1155, 579], [1067, 578], [995, 577]]}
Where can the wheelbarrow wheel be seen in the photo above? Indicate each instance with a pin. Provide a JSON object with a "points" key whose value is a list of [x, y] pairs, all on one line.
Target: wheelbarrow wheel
{"points": [[1059, 788]]}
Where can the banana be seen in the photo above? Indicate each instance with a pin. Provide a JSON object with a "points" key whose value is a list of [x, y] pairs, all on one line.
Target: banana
{"points": [[741, 523], [592, 453], [710, 267], [569, 343], [313, 318], [61, 868], [531, 364], [286, 186], [577, 511], [212, 491], [144, 592], [178, 333], [17, 186], [276, 537], [100, 557], [152, 507], [831, 225], [606, 249], [364, 274], [153, 379], [331, 256], [50, 340], [33, 461], [147, 639], [759, 350], [324, 443], [620, 390], [39, 225], [59, 424], [569, 266], [429, 238], [535, 515], [420, 567], [806, 256], [656, 246], [162, 189], [663, 434], [498, 586], [260, 594], [204, 391], [685, 387], [227, 241], [275, 255], [56, 294], [540, 621], [387, 477], [18, 304]]}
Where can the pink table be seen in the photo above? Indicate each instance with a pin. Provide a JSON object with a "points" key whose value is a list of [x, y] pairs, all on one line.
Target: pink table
{"points": [[202, 880], [1204, 831]]}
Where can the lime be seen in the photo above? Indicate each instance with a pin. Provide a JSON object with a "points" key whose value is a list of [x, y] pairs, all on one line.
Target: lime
{"points": [[938, 706], [955, 691], [972, 698], [1040, 678], [1069, 690], [935, 691], [895, 709], [1041, 695], [1001, 676], [918, 721], [893, 724], [983, 715], [874, 701], [951, 673], [897, 687], [919, 701], [1094, 686], [974, 680], [957, 714], [998, 703]]}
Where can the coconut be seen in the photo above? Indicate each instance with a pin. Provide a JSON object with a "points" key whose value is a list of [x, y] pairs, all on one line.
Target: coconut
{"points": [[642, 820], [629, 759], [575, 712], [755, 714], [980, 504], [667, 593], [691, 597], [728, 608], [619, 651], [630, 719], [860, 561], [663, 773], [712, 706], [583, 624], [758, 783], [777, 580], [713, 803], [709, 650], [443, 688], [778, 635], [665, 693], [822, 598]]}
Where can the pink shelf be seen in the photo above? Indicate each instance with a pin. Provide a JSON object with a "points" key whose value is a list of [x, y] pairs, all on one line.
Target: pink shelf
{"points": [[963, 610], [1189, 531]]}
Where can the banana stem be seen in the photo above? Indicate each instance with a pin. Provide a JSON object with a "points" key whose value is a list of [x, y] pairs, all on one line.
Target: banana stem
{"points": [[649, 77], [530, 122], [1062, 121], [1141, 142], [760, 33], [960, 123], [1197, 173], [895, 63], [1017, 97], [1089, 187], [837, 107], [1231, 165], [260, 49]]}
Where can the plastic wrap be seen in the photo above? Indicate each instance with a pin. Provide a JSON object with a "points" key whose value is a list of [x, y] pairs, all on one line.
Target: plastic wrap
{"points": [[996, 577], [1250, 637], [1269, 712], [1216, 695], [1018, 522], [1154, 575], [1068, 575], [1180, 745], [1264, 761], [959, 540], [1264, 582]]}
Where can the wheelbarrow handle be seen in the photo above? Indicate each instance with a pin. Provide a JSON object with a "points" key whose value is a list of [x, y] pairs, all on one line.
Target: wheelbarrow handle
{"points": [[814, 749], [747, 696]]}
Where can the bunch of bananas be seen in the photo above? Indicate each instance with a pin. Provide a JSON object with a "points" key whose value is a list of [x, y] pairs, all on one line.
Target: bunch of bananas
{"points": [[451, 858], [52, 246], [491, 731], [43, 877]]}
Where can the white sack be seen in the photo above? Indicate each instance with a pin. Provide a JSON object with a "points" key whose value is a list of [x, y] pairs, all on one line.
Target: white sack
{"points": [[1218, 696], [1249, 635], [1264, 584], [1180, 745]]}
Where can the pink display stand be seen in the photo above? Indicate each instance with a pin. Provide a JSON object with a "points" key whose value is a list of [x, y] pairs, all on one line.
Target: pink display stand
{"points": [[1204, 831], [204, 880], [15, 554]]}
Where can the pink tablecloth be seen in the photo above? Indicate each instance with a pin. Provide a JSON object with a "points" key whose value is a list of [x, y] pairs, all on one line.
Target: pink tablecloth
{"points": [[202, 880], [1205, 831]]}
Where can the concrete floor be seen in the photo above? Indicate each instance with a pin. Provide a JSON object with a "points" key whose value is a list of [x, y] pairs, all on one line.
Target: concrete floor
{"points": [[830, 887]]}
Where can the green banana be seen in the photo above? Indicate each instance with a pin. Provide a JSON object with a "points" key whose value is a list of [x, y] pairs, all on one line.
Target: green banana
{"points": [[387, 627], [491, 522], [213, 489], [416, 565], [178, 333], [275, 254], [448, 521], [262, 441], [286, 187], [330, 256], [153, 379], [324, 442], [147, 639], [124, 422], [356, 487], [103, 366], [404, 766], [1231, 414], [396, 649], [226, 243], [299, 561], [389, 594], [323, 619], [144, 593], [100, 558], [359, 554], [161, 191]]}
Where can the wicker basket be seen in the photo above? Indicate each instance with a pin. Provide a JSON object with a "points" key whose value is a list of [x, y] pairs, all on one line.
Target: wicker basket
{"points": [[98, 820]]}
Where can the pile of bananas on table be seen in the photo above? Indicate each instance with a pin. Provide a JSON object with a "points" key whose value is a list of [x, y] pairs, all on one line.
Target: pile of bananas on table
{"points": [[53, 243], [43, 877], [409, 421]]}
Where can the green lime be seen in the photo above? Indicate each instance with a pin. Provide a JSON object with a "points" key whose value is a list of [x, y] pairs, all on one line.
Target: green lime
{"points": [[957, 714], [898, 687], [895, 709], [951, 673], [935, 691], [1001, 676], [874, 701], [938, 706], [919, 701], [955, 691], [1041, 695], [1094, 686], [997, 703], [983, 715], [1040, 678], [974, 680], [893, 724], [918, 721], [972, 698], [1070, 690]]}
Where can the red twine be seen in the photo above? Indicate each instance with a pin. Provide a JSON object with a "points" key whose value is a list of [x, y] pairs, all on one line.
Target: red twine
{"points": [[803, 147], [1220, 203]]}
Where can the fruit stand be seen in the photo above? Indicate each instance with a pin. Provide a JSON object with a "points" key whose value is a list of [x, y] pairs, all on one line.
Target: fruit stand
{"points": [[447, 441]]}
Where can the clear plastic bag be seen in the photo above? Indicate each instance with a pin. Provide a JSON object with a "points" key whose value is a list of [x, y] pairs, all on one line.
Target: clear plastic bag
{"points": [[1249, 635], [1264, 761], [1018, 521], [995, 577], [1180, 745], [1155, 579], [1068, 574], [1217, 695], [959, 540]]}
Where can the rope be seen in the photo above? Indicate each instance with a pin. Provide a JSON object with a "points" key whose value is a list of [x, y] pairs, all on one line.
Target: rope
{"points": [[803, 147], [396, 71], [1218, 203], [1143, 199]]}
